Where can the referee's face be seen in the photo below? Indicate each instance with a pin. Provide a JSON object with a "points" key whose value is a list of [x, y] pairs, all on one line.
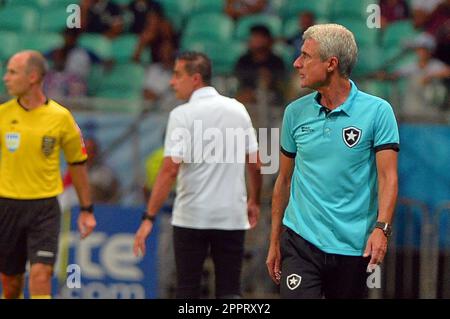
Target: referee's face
{"points": [[182, 83], [17, 78], [312, 70]]}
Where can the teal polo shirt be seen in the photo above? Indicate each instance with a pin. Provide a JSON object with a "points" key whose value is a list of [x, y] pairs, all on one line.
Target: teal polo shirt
{"points": [[333, 202]]}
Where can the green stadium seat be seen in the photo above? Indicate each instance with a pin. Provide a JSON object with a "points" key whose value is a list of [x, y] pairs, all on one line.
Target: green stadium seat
{"points": [[273, 23], [378, 88], [2, 73], [208, 6], [18, 18], [398, 32], [123, 81], [123, 47], [121, 2], [35, 4], [320, 8], [10, 44], [350, 8], [395, 58], [370, 59], [94, 79], [290, 27], [55, 4], [364, 36], [97, 43], [53, 20], [210, 26], [177, 11], [286, 53], [42, 42], [223, 55]]}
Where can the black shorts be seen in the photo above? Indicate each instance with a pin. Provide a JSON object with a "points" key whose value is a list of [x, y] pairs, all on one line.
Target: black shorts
{"points": [[310, 273], [29, 230]]}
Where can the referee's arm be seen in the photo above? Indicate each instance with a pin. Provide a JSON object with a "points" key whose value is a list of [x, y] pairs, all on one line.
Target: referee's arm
{"points": [[79, 175], [280, 200]]}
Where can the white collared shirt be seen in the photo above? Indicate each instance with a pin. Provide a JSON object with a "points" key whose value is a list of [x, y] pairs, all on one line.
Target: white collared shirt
{"points": [[211, 189]]}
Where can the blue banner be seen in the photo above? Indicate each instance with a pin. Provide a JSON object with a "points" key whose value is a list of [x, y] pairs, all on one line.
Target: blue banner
{"points": [[103, 265]]}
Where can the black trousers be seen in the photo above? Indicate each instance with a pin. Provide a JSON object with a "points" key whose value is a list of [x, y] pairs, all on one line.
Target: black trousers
{"points": [[191, 249], [309, 273]]}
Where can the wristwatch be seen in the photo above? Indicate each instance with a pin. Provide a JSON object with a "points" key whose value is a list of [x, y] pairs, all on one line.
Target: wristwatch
{"points": [[88, 209], [146, 216], [385, 227]]}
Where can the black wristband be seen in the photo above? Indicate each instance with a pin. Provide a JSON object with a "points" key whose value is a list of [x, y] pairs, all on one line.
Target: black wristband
{"points": [[88, 209], [146, 216]]}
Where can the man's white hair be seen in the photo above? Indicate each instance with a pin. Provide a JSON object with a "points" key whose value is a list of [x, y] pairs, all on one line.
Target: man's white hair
{"points": [[335, 41]]}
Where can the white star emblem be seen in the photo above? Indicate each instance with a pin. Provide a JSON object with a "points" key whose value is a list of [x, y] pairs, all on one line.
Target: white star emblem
{"points": [[293, 281], [351, 136]]}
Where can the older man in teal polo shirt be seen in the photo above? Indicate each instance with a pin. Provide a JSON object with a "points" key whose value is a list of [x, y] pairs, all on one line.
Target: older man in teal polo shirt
{"points": [[335, 195]]}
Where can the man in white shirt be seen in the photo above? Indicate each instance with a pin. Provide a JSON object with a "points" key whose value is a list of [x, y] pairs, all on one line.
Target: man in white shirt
{"points": [[209, 142]]}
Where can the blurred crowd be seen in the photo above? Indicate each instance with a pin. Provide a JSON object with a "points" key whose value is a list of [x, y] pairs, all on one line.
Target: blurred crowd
{"points": [[265, 60]]}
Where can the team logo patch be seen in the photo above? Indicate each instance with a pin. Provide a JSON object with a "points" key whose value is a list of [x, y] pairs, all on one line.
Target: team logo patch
{"points": [[48, 144], [351, 135], [293, 281], [12, 141]]}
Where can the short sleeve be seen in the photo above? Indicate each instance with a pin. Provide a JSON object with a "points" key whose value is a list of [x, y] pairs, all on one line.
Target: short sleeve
{"points": [[72, 142], [178, 139], [386, 134], [288, 145]]}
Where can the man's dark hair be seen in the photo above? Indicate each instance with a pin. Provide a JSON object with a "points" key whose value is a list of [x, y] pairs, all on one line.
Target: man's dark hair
{"points": [[197, 62], [261, 29]]}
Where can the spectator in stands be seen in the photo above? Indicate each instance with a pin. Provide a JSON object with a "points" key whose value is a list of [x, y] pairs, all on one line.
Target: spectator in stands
{"points": [[101, 16], [439, 26], [103, 182], [156, 31], [393, 10], [139, 10], [60, 83], [305, 20], [74, 58], [421, 11], [158, 75], [260, 68], [424, 79], [239, 8]]}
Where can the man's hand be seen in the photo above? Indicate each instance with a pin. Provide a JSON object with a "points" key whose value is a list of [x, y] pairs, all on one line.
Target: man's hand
{"points": [[273, 262], [86, 223], [253, 211], [141, 236], [376, 247]]}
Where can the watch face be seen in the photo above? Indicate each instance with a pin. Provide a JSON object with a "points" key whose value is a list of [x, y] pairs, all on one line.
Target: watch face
{"points": [[385, 227]]}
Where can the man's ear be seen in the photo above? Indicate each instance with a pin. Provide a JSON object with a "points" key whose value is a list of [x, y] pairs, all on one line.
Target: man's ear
{"points": [[197, 78], [34, 76], [333, 64]]}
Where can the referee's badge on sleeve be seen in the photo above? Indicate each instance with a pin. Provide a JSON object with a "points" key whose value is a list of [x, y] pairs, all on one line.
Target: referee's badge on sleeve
{"points": [[48, 144], [351, 135], [12, 141]]}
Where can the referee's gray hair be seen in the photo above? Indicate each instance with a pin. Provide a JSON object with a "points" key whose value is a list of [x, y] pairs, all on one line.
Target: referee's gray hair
{"points": [[335, 41], [36, 61]]}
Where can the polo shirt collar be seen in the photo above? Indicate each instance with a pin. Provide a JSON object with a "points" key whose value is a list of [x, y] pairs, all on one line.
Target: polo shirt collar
{"points": [[203, 92], [345, 107]]}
